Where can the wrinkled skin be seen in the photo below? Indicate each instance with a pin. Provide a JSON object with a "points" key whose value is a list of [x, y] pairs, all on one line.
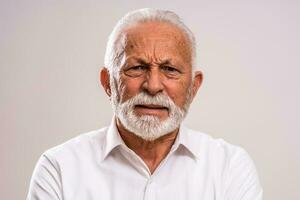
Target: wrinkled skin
{"points": [[162, 54], [156, 59]]}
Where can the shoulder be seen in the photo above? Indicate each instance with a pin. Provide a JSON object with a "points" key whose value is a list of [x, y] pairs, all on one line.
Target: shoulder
{"points": [[233, 168], [220, 154], [64, 162], [205, 143], [77, 147], [231, 163]]}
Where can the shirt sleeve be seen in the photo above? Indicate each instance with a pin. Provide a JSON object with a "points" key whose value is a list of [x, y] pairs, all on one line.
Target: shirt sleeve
{"points": [[45, 182], [242, 181]]}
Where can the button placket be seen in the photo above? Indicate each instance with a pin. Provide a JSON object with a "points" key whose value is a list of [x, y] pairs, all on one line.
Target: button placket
{"points": [[150, 189], [136, 162]]}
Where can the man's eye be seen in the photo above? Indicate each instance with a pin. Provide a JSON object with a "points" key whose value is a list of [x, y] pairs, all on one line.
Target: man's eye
{"points": [[138, 67], [170, 69], [135, 71]]}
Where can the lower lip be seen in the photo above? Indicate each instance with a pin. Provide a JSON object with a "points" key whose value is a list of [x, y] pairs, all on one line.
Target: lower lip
{"points": [[143, 110]]}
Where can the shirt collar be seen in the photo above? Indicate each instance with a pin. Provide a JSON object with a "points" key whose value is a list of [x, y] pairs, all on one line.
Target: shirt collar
{"points": [[185, 139], [113, 139]]}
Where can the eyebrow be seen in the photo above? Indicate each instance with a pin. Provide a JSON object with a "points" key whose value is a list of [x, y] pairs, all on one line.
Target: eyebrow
{"points": [[165, 62], [142, 61]]}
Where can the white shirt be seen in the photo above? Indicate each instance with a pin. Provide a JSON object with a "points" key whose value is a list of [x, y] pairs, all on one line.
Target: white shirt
{"points": [[98, 165]]}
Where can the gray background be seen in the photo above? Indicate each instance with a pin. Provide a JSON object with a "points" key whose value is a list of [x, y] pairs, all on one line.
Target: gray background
{"points": [[50, 56]]}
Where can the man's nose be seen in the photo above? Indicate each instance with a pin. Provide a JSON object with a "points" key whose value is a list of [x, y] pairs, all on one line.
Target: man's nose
{"points": [[153, 82]]}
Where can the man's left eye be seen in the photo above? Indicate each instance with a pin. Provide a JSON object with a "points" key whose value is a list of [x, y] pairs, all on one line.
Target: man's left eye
{"points": [[170, 69]]}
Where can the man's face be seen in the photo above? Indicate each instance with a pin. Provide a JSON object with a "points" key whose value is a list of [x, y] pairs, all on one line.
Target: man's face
{"points": [[156, 64]]}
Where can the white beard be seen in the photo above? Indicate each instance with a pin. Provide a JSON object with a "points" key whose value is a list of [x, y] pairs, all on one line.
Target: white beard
{"points": [[148, 127]]}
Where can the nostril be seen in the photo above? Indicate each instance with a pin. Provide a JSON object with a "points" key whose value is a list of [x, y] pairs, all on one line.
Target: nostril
{"points": [[152, 89]]}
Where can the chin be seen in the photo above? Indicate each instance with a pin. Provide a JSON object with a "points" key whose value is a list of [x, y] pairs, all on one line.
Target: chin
{"points": [[149, 127], [149, 117]]}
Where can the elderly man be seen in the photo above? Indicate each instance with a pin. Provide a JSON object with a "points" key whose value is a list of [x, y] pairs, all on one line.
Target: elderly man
{"points": [[146, 153]]}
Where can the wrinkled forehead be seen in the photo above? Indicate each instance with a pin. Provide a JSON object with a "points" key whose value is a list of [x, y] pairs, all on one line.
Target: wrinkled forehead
{"points": [[156, 36]]}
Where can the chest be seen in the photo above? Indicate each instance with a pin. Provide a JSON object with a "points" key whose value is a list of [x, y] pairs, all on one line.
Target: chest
{"points": [[122, 178]]}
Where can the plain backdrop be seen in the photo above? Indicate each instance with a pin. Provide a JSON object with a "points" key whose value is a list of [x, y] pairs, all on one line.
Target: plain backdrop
{"points": [[51, 53]]}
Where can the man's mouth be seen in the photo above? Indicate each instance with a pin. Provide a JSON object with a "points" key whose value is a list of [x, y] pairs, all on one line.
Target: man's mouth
{"points": [[151, 106], [150, 109]]}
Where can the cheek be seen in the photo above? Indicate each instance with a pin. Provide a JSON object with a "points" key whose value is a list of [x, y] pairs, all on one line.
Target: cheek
{"points": [[178, 91], [129, 88]]}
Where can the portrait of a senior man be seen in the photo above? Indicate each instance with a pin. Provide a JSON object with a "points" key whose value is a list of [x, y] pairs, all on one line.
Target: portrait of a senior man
{"points": [[146, 153]]}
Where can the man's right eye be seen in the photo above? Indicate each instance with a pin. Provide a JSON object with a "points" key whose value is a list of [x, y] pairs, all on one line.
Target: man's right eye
{"points": [[135, 71], [138, 67]]}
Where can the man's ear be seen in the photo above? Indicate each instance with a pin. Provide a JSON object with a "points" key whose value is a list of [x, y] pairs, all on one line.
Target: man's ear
{"points": [[198, 78], [105, 80]]}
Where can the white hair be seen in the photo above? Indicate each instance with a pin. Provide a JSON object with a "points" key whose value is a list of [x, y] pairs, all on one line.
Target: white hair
{"points": [[115, 50]]}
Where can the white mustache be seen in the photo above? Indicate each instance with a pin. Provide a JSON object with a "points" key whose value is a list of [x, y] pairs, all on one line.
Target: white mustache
{"points": [[157, 100]]}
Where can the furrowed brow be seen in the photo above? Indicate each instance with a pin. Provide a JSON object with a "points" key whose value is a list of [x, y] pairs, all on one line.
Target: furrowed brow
{"points": [[165, 62], [141, 61]]}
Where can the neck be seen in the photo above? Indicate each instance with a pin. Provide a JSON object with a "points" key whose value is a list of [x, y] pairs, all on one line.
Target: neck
{"points": [[151, 152]]}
